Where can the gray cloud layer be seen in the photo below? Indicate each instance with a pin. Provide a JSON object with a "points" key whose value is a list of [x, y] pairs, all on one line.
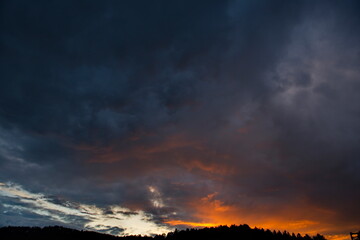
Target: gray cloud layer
{"points": [[256, 101]]}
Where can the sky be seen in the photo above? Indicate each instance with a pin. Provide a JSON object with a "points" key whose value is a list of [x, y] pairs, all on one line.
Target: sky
{"points": [[139, 117]]}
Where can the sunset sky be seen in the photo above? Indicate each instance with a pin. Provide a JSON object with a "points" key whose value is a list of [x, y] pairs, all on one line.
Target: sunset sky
{"points": [[142, 116]]}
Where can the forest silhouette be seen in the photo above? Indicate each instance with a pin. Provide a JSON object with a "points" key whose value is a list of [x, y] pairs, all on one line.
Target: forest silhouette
{"points": [[239, 232]]}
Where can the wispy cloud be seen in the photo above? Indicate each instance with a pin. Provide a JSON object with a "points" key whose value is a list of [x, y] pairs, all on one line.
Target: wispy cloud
{"points": [[114, 219]]}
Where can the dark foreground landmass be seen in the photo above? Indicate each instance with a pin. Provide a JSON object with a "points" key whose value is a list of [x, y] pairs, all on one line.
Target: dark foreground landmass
{"points": [[241, 232]]}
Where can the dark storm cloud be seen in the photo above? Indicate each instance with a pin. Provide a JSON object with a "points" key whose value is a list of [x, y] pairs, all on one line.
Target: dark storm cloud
{"points": [[156, 105], [113, 91], [319, 122]]}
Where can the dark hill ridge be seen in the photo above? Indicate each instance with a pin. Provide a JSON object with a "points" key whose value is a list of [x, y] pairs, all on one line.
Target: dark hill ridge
{"points": [[241, 232]]}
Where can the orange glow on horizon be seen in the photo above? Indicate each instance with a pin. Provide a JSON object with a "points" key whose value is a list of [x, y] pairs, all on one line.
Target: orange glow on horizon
{"points": [[212, 212], [338, 237], [273, 226], [191, 224]]}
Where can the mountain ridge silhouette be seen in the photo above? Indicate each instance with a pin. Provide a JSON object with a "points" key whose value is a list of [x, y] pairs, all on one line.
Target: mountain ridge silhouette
{"points": [[239, 232]]}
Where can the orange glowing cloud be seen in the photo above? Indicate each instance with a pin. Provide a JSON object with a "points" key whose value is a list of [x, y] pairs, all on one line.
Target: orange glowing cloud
{"points": [[213, 168], [172, 144], [210, 212]]}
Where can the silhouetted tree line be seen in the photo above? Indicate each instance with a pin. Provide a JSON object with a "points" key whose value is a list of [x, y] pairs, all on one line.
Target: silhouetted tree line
{"points": [[241, 232]]}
